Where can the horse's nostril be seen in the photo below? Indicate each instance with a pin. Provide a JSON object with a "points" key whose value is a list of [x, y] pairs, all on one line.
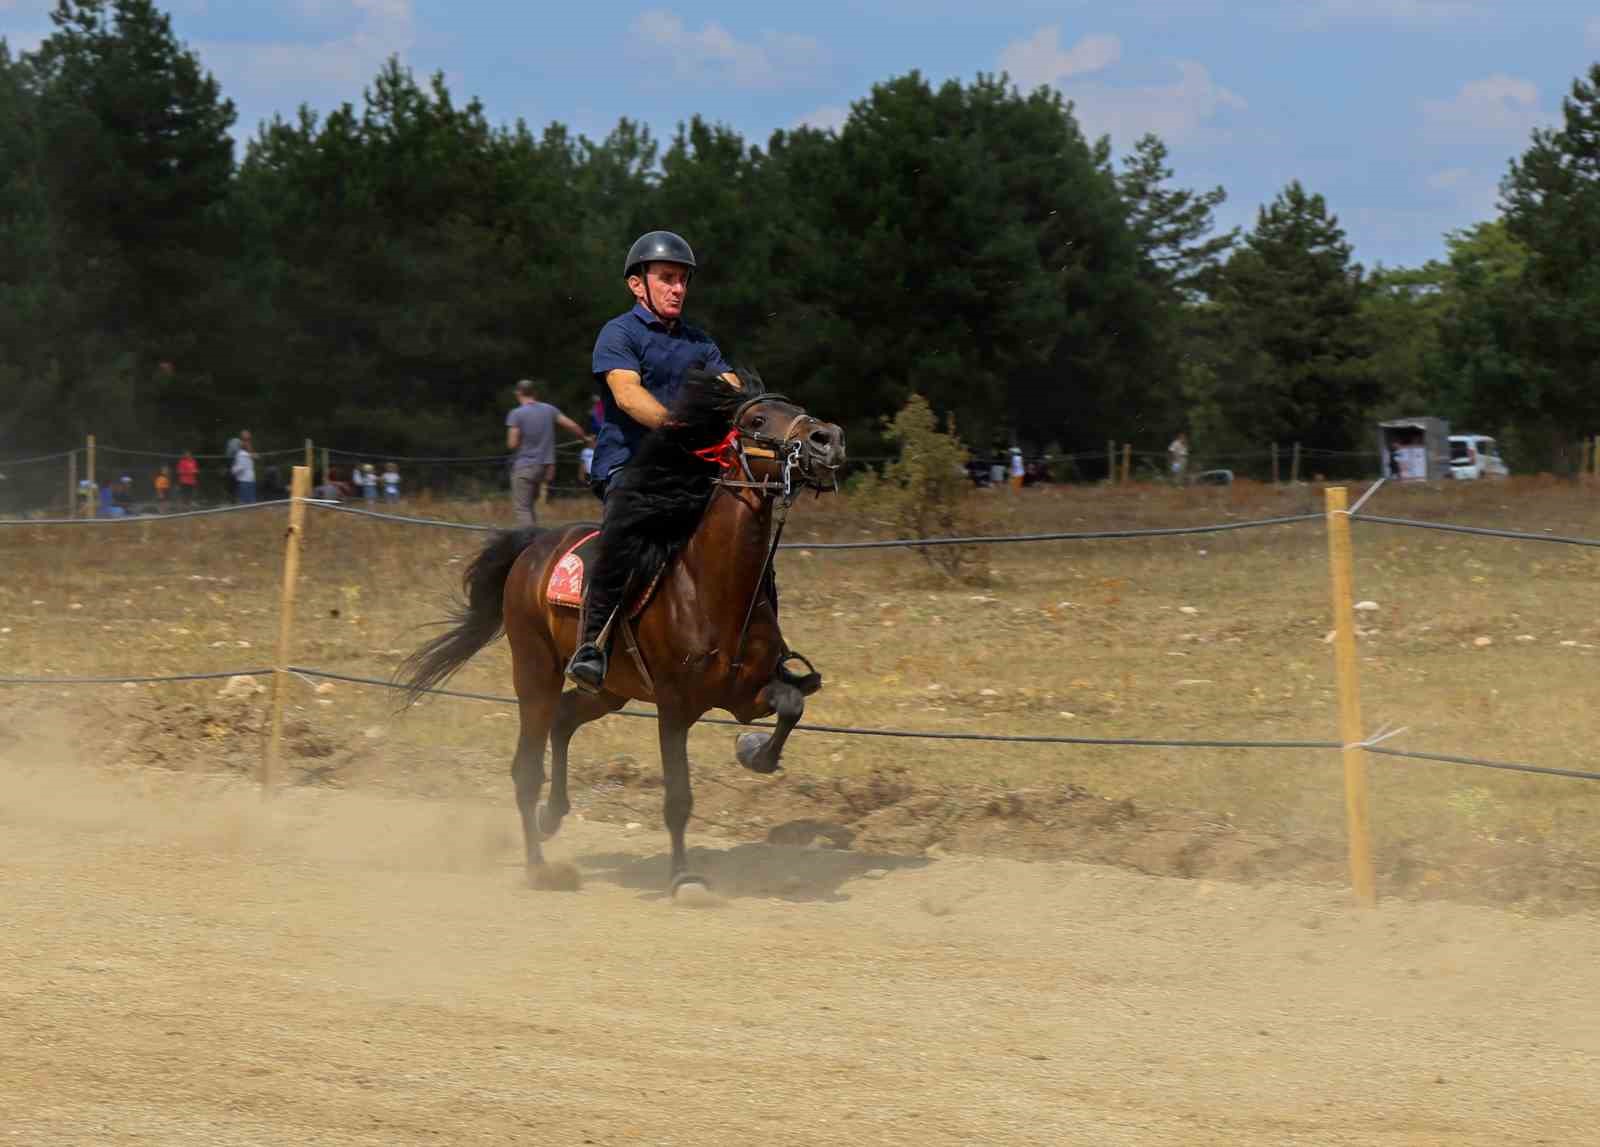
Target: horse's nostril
{"points": [[821, 438]]}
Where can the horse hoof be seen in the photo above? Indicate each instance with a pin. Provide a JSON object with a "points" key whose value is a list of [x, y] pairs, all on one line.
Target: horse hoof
{"points": [[549, 823], [691, 891], [558, 877], [747, 751]]}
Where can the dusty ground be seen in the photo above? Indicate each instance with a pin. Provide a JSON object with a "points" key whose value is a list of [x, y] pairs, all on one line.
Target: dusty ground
{"points": [[186, 965], [922, 943]]}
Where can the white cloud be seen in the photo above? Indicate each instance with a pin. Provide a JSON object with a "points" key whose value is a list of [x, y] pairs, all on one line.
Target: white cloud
{"points": [[280, 75], [1178, 112], [828, 117], [1041, 60], [1498, 107], [775, 59]]}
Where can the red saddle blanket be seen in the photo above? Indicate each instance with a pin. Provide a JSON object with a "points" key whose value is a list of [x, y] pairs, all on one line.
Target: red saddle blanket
{"points": [[565, 586], [566, 578]]}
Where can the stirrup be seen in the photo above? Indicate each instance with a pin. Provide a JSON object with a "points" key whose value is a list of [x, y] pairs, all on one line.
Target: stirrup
{"points": [[808, 682], [588, 673]]}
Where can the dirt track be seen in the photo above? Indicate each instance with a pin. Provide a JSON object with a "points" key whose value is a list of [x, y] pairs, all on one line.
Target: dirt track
{"points": [[185, 965]]}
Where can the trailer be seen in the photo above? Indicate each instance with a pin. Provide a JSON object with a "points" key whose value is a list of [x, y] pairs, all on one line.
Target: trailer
{"points": [[1415, 449]]}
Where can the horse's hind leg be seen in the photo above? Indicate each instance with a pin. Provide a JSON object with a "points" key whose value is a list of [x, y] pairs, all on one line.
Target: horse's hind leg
{"points": [[575, 709], [761, 752], [537, 709]]}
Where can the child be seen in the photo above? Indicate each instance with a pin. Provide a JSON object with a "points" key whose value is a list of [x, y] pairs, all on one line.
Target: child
{"points": [[369, 482], [188, 478], [391, 483], [163, 486]]}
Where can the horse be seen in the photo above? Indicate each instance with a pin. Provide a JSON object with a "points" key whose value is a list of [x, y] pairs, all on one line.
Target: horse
{"points": [[707, 637]]}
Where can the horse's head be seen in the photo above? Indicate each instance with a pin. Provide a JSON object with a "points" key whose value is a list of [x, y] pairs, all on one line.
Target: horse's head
{"points": [[776, 433]]}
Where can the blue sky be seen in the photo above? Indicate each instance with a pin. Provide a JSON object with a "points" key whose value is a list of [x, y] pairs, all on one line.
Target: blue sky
{"points": [[1403, 113]]}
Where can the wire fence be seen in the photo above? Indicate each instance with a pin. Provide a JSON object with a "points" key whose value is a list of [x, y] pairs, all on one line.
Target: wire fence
{"points": [[1337, 517], [1371, 744]]}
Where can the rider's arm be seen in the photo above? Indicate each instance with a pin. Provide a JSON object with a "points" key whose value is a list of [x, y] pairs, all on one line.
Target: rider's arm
{"points": [[636, 402]]}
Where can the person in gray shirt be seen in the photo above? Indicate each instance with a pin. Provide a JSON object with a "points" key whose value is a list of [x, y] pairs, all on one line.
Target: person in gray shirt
{"points": [[531, 433]]}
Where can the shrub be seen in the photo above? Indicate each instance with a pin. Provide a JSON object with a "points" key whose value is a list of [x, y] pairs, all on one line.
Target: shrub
{"points": [[925, 492]]}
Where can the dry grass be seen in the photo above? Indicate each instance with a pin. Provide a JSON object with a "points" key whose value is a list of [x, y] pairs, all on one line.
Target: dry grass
{"points": [[1217, 636]]}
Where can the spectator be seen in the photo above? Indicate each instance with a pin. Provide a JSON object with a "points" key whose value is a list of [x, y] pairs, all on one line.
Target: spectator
{"points": [[163, 484], [1016, 469], [188, 479], [230, 451], [122, 494], [329, 491], [243, 472], [391, 483], [531, 432], [1178, 458], [369, 482]]}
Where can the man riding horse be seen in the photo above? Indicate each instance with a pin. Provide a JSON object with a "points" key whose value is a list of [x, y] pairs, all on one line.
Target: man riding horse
{"points": [[641, 358]]}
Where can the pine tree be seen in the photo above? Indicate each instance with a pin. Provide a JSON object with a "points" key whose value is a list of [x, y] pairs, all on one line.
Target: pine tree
{"points": [[1291, 346]]}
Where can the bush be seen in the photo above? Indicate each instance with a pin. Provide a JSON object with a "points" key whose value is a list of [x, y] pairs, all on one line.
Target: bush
{"points": [[925, 492]]}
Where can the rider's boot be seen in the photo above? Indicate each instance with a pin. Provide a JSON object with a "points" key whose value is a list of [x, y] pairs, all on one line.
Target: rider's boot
{"points": [[587, 669], [809, 681]]}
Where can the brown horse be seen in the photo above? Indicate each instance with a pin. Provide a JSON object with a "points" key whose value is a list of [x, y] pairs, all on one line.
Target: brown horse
{"points": [[702, 492]]}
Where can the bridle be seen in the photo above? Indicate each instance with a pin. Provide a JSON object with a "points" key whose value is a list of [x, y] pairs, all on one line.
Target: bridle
{"points": [[737, 449], [742, 444]]}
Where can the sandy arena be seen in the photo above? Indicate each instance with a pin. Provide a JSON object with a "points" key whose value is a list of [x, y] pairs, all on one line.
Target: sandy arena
{"points": [[187, 965]]}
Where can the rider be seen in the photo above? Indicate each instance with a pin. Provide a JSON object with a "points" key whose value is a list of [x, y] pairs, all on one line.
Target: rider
{"points": [[640, 360]]}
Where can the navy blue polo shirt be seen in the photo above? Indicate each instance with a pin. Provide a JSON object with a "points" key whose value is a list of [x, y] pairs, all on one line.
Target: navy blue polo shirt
{"points": [[661, 357]]}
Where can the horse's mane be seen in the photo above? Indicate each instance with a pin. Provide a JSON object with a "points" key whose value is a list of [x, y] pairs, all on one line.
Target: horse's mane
{"points": [[668, 485]]}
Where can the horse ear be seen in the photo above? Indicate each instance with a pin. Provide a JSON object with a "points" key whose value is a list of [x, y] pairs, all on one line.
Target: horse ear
{"points": [[750, 381]]}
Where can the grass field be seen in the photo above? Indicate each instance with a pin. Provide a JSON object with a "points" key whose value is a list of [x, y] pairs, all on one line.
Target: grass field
{"points": [[1478, 646]]}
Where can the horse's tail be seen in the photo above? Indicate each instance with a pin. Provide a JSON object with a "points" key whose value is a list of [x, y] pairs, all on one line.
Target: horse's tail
{"points": [[474, 621]]}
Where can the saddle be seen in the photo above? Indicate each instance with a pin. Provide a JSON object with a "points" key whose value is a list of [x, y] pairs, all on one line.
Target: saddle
{"points": [[565, 587]]}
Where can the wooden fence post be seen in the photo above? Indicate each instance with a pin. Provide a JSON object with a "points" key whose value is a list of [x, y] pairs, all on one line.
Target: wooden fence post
{"points": [[72, 483], [1294, 466], [1127, 462], [94, 493], [1357, 828], [299, 490], [311, 467]]}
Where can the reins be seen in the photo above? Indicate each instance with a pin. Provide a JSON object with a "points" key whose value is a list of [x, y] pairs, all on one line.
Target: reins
{"points": [[732, 451]]}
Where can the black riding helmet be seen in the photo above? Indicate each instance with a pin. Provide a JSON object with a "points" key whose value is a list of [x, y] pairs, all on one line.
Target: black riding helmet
{"points": [[657, 247]]}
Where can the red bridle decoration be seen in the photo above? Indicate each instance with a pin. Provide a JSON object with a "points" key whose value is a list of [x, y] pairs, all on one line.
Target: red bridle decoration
{"points": [[723, 453]]}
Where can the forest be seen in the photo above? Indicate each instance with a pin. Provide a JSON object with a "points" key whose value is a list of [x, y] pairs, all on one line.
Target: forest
{"points": [[379, 277]]}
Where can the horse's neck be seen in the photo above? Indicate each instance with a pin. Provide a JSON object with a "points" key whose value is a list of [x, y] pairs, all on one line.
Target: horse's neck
{"points": [[728, 552]]}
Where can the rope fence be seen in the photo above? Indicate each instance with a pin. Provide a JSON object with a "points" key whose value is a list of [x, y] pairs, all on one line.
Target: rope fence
{"points": [[1371, 744], [1353, 744]]}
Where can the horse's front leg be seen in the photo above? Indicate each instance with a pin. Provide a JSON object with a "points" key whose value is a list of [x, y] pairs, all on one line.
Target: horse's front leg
{"points": [[761, 752], [677, 805]]}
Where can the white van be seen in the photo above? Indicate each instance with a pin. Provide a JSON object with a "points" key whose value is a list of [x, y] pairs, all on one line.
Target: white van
{"points": [[1475, 456]]}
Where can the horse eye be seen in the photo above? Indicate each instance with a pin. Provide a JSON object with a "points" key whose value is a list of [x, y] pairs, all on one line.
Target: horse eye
{"points": [[758, 421]]}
